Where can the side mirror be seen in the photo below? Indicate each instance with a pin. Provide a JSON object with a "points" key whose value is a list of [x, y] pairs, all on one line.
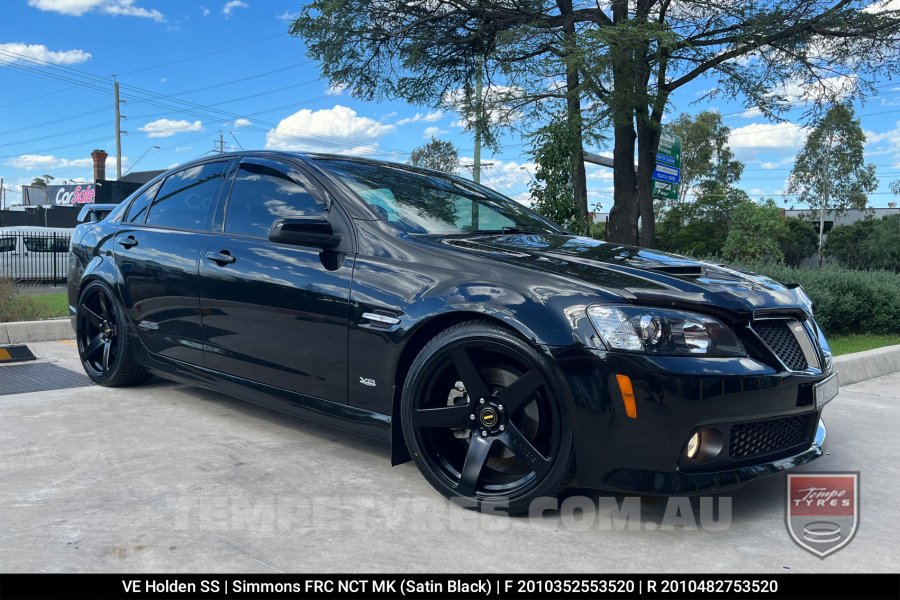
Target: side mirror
{"points": [[304, 231]]}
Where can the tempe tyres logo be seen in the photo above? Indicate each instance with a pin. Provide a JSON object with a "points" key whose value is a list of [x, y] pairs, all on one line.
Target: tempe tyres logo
{"points": [[822, 510]]}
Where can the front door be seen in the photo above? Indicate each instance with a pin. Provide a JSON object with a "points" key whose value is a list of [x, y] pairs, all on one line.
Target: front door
{"points": [[274, 313]]}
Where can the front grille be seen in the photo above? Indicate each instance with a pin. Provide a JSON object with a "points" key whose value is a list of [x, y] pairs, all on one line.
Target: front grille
{"points": [[781, 340], [767, 437]]}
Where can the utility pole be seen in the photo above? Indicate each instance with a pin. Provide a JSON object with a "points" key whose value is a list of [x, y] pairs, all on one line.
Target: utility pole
{"points": [[118, 130], [824, 198], [2, 194], [221, 142], [476, 169]]}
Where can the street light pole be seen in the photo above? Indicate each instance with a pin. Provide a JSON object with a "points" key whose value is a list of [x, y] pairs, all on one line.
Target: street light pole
{"points": [[134, 164]]}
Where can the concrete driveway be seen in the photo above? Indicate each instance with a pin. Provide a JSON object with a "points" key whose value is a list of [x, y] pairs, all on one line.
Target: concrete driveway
{"points": [[166, 477]]}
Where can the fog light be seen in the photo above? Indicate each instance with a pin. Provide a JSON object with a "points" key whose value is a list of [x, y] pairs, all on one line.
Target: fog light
{"points": [[693, 445]]}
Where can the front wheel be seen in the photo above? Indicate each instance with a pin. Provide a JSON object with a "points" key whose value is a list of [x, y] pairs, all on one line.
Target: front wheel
{"points": [[103, 342], [482, 419]]}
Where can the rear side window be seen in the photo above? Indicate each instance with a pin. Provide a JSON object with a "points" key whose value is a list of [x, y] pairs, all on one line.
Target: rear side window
{"points": [[47, 243], [187, 198], [137, 212], [7, 244], [266, 191]]}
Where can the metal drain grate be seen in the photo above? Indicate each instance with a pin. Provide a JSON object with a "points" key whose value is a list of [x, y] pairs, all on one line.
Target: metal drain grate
{"points": [[40, 377]]}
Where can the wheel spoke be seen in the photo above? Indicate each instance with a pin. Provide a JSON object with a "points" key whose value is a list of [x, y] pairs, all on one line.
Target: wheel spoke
{"points": [[514, 396], [513, 439], [106, 346], [91, 316], [470, 376], [476, 457], [454, 417], [103, 308], [95, 345]]}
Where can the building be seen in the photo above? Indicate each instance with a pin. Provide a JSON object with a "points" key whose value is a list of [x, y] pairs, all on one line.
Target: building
{"points": [[59, 205]]}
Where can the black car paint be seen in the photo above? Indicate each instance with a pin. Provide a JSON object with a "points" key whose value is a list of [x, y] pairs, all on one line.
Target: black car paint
{"points": [[279, 342]]}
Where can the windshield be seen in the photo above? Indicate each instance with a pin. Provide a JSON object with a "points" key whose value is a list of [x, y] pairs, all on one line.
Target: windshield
{"points": [[418, 202]]}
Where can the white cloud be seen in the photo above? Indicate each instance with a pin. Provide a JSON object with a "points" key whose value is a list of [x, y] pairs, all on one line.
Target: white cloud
{"points": [[288, 16], [426, 117], [336, 89], [76, 8], [768, 135], [34, 162], [750, 113], [880, 6], [432, 131], [17, 52], [231, 5], [337, 129], [161, 128], [205, 11], [241, 122]]}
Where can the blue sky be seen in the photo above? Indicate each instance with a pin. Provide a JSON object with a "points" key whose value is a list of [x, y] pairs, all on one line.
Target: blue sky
{"points": [[190, 69]]}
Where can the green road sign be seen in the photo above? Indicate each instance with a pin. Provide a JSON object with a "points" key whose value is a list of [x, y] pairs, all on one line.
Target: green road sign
{"points": [[665, 191], [667, 174]]}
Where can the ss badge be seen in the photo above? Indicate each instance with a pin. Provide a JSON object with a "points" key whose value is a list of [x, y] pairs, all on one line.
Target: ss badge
{"points": [[367, 381]]}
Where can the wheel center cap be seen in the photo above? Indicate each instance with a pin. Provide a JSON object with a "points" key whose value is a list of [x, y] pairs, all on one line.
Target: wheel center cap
{"points": [[488, 417]]}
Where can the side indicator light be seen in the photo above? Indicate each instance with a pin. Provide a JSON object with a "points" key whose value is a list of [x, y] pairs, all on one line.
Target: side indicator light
{"points": [[627, 392]]}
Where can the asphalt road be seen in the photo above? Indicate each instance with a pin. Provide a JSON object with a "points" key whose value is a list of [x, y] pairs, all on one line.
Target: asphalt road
{"points": [[172, 478]]}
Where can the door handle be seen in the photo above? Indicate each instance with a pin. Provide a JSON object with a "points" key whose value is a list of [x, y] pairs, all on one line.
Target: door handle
{"points": [[221, 258], [127, 242]]}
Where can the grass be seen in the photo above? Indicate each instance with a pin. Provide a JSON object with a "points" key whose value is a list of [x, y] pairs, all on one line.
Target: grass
{"points": [[857, 342], [52, 305]]}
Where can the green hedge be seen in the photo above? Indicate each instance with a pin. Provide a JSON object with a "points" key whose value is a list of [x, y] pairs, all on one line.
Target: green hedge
{"points": [[847, 301]]}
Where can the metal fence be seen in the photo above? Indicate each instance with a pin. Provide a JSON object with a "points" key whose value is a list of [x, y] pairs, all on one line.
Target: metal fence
{"points": [[34, 257]]}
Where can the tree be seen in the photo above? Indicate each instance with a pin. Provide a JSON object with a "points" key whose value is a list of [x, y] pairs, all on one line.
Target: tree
{"points": [[753, 236], [798, 241], [706, 158], [437, 154], [699, 228], [553, 184], [830, 173], [616, 64], [42, 182]]}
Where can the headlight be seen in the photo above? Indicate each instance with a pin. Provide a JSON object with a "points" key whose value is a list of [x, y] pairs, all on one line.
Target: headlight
{"points": [[661, 331]]}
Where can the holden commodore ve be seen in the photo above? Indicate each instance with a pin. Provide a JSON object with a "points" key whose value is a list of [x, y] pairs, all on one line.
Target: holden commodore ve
{"points": [[501, 353]]}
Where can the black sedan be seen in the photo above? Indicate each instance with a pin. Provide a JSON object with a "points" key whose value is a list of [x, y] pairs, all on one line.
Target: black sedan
{"points": [[501, 353]]}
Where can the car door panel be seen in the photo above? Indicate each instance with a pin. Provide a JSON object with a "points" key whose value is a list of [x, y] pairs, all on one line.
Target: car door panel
{"points": [[274, 313]]}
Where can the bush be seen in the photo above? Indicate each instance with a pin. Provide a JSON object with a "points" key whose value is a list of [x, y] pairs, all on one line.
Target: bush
{"points": [[14, 307], [867, 244], [754, 233], [798, 241], [847, 301]]}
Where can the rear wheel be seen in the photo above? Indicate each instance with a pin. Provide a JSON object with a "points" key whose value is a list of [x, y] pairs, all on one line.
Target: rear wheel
{"points": [[103, 342], [483, 421]]}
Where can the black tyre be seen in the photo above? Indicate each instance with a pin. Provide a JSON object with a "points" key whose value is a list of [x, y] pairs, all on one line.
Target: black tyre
{"points": [[103, 342], [482, 420]]}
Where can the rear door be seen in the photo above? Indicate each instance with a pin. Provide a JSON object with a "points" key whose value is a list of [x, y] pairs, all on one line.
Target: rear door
{"points": [[276, 313], [158, 249]]}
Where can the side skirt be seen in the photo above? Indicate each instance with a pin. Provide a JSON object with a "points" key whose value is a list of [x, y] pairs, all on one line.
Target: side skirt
{"points": [[340, 416]]}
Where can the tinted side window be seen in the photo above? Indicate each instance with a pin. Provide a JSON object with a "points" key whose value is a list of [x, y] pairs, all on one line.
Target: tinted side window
{"points": [[187, 198], [7, 244], [263, 193], [137, 212]]}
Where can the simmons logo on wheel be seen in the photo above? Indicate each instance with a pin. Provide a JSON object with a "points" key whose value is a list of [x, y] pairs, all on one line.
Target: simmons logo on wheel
{"points": [[822, 510]]}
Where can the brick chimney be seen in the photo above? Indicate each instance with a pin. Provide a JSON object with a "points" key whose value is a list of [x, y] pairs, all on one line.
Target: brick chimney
{"points": [[99, 157]]}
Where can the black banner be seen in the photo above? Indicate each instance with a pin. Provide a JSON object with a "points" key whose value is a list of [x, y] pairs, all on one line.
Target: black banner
{"points": [[322, 587]]}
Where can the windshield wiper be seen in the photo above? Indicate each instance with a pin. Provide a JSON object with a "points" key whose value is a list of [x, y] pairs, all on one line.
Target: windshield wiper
{"points": [[503, 230]]}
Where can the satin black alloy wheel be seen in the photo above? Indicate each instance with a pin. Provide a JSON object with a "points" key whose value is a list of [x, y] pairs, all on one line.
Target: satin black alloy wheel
{"points": [[482, 420], [103, 343]]}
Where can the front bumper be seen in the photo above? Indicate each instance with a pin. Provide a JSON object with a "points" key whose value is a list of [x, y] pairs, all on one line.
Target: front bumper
{"points": [[676, 396]]}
